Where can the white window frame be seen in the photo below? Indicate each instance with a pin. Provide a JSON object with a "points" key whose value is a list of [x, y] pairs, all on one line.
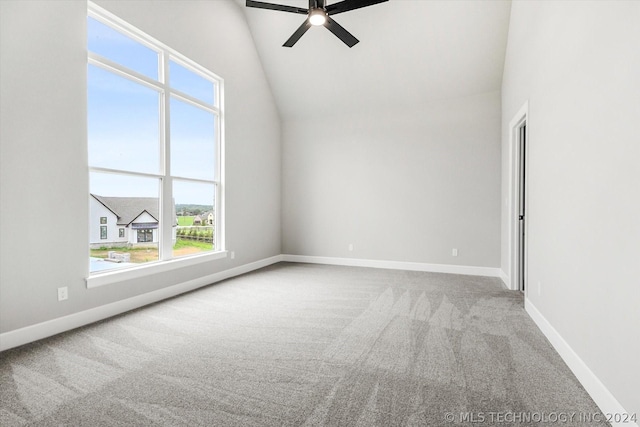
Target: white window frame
{"points": [[166, 261]]}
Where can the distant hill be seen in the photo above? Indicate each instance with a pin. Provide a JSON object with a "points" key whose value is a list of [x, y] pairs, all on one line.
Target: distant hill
{"points": [[189, 210]]}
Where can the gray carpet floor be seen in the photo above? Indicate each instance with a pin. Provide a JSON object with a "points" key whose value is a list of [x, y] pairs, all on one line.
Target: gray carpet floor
{"points": [[302, 345]]}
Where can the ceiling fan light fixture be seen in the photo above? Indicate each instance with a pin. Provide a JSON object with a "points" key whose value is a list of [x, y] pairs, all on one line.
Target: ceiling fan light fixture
{"points": [[317, 17]]}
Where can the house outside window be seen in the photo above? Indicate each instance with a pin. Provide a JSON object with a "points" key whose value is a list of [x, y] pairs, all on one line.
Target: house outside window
{"points": [[145, 235], [155, 142]]}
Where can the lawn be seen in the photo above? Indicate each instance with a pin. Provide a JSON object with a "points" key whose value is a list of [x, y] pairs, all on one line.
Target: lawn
{"points": [[185, 221], [190, 247], [142, 255]]}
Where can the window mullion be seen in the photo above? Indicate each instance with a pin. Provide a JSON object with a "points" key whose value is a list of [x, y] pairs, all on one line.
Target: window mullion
{"points": [[123, 172], [194, 101], [168, 210], [220, 171], [202, 181], [114, 67]]}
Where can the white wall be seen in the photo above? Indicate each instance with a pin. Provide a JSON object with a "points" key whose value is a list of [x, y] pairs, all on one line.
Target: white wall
{"points": [[400, 185], [43, 154], [578, 64]]}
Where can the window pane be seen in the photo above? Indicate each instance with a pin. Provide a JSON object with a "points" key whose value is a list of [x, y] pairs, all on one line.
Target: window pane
{"points": [[193, 84], [193, 147], [196, 218], [131, 233], [113, 45], [123, 123]]}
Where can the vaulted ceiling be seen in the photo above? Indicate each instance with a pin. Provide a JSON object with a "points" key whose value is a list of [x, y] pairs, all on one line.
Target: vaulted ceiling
{"points": [[411, 52]]}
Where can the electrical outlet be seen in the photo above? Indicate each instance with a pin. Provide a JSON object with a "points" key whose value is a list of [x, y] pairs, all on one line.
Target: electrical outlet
{"points": [[454, 252], [63, 293], [350, 247], [233, 255]]}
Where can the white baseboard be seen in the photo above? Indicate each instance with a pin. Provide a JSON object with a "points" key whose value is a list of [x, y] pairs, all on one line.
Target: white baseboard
{"points": [[505, 279], [607, 403], [62, 324], [396, 265]]}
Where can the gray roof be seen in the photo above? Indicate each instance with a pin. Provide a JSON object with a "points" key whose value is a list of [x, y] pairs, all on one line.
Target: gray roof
{"points": [[129, 208]]}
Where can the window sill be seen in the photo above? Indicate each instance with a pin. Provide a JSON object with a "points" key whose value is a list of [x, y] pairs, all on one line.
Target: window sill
{"points": [[107, 278]]}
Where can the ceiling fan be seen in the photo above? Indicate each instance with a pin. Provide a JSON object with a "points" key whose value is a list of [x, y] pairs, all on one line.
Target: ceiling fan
{"points": [[318, 14]]}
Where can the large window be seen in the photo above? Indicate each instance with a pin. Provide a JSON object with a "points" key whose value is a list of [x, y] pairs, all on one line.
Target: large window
{"points": [[155, 148]]}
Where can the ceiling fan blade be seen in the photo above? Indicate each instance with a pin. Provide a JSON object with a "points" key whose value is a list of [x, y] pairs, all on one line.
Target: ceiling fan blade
{"points": [[340, 32], [279, 7], [347, 5], [299, 33]]}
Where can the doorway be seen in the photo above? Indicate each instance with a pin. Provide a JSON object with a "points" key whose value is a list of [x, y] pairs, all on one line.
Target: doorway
{"points": [[518, 208], [522, 205]]}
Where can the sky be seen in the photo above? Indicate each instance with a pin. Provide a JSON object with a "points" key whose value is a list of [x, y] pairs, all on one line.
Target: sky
{"points": [[124, 123]]}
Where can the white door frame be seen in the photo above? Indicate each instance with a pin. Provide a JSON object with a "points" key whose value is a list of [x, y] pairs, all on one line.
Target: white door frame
{"points": [[520, 118]]}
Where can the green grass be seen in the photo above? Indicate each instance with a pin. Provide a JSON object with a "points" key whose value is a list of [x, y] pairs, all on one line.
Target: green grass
{"points": [[184, 243], [185, 221]]}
